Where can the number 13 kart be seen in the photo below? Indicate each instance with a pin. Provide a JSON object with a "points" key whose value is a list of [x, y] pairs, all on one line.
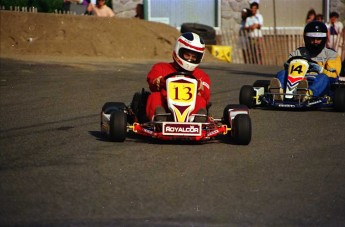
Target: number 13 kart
{"points": [[117, 119]]}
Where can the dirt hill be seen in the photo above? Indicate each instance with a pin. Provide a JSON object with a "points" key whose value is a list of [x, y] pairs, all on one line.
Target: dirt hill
{"points": [[38, 36]]}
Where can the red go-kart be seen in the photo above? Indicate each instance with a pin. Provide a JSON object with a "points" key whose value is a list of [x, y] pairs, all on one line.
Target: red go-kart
{"points": [[117, 119]]}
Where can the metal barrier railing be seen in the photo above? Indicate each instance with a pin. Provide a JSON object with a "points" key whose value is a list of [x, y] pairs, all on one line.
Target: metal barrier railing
{"points": [[273, 47]]}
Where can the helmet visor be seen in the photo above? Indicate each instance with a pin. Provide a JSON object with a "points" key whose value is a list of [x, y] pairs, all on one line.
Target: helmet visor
{"points": [[316, 34], [190, 56]]}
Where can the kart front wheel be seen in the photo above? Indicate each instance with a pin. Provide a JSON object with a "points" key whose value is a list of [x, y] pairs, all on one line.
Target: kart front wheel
{"points": [[247, 96], [241, 130], [108, 107], [118, 126], [339, 99]]}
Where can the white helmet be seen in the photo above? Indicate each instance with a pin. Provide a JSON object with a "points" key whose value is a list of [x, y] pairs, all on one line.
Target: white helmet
{"points": [[192, 43]]}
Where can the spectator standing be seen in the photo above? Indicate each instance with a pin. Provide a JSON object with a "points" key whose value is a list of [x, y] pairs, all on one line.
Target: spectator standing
{"points": [[139, 11], [254, 7], [311, 16], [335, 29], [253, 26], [243, 36], [100, 9]]}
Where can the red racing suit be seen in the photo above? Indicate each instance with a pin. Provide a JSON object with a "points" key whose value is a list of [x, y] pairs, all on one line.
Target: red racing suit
{"points": [[158, 99]]}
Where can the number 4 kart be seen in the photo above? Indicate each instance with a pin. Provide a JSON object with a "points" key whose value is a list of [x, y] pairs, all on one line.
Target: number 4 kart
{"points": [[293, 96]]}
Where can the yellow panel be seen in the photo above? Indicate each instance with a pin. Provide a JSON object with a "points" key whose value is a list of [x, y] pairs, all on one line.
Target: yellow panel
{"points": [[222, 52]]}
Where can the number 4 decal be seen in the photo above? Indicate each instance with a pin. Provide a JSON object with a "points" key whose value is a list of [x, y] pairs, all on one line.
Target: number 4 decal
{"points": [[297, 69]]}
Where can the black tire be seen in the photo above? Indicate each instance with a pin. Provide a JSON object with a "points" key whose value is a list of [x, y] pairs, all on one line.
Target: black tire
{"points": [[246, 96], [109, 107], [262, 83], [241, 131], [210, 41], [226, 119], [207, 33], [138, 105], [339, 99], [342, 71], [118, 126]]}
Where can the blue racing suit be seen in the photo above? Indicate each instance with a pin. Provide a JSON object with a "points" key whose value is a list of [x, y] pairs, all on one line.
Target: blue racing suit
{"points": [[328, 59]]}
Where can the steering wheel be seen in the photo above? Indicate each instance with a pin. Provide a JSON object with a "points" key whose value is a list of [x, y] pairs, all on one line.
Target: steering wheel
{"points": [[186, 74], [309, 60]]}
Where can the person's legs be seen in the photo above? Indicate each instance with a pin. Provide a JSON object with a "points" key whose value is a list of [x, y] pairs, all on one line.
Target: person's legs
{"points": [[277, 85], [200, 108], [281, 76], [320, 85], [154, 100], [199, 104]]}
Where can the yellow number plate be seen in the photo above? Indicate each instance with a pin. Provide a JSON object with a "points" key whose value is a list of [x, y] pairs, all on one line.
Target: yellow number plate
{"points": [[181, 92], [298, 68]]}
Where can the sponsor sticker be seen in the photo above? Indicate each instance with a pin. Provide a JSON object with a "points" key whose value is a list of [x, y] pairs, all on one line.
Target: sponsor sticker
{"points": [[148, 131], [215, 132], [287, 105], [181, 129], [315, 102]]}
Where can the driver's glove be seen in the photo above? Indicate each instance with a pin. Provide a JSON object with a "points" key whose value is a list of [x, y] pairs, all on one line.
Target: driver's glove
{"points": [[200, 87], [157, 83], [315, 68]]}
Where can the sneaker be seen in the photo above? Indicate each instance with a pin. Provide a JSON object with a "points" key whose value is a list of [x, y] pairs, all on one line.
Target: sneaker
{"points": [[201, 116], [276, 88], [160, 114], [303, 92]]}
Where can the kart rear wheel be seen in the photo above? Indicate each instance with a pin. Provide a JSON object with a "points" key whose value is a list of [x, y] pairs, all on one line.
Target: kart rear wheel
{"points": [[118, 126], [138, 105], [246, 96], [339, 99], [241, 131]]}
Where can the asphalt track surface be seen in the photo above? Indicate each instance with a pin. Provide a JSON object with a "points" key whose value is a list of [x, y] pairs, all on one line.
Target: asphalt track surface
{"points": [[57, 170]]}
